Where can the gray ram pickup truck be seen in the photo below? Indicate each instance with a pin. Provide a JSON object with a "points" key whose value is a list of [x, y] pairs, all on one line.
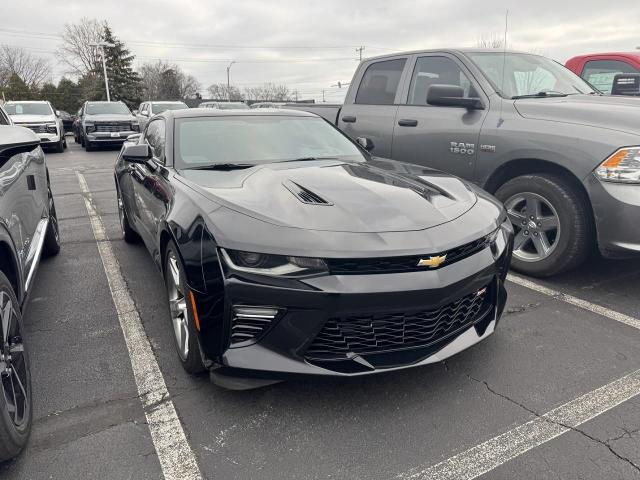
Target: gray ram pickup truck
{"points": [[563, 158]]}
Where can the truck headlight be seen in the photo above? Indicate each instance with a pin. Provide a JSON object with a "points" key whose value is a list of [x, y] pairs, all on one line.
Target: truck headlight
{"points": [[621, 167], [135, 126], [273, 265], [89, 127], [51, 128]]}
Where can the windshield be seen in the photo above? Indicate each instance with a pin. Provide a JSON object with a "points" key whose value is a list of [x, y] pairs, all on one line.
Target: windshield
{"points": [[28, 109], [100, 108], [233, 106], [257, 139], [526, 74], [161, 107]]}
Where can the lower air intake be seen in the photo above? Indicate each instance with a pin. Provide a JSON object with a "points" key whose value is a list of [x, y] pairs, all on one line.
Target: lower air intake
{"points": [[249, 323]]}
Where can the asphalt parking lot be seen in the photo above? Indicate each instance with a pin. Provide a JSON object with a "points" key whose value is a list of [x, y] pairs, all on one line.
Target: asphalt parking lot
{"points": [[553, 394]]}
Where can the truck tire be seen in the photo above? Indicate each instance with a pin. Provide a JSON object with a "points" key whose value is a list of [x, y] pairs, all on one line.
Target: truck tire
{"points": [[60, 146], [52, 236], [552, 224], [16, 412], [88, 146]]}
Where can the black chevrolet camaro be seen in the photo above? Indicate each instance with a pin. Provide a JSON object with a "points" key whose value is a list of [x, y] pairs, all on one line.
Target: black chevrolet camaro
{"points": [[287, 250]]}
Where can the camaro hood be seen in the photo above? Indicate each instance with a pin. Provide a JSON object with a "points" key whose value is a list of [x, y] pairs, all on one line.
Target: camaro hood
{"points": [[33, 118], [614, 113], [110, 117], [377, 196]]}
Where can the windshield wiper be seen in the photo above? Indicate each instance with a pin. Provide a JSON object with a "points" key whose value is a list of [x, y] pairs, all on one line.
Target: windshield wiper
{"points": [[222, 166], [542, 94]]}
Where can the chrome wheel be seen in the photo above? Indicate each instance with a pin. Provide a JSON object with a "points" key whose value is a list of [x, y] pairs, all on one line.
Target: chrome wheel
{"points": [[53, 218], [13, 367], [177, 305], [536, 224]]}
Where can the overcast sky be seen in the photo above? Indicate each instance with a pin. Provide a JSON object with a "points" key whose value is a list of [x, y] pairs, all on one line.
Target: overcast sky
{"points": [[310, 46]]}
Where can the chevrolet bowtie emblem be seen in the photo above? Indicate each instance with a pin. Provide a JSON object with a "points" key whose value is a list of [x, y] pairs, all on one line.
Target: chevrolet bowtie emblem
{"points": [[432, 262]]}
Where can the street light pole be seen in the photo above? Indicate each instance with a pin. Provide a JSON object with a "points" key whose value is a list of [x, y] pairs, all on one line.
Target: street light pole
{"points": [[228, 82], [101, 46]]}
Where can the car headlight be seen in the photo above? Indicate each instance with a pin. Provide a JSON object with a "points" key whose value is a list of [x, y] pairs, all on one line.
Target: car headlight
{"points": [[273, 265], [621, 167], [51, 128], [89, 127], [135, 126]]}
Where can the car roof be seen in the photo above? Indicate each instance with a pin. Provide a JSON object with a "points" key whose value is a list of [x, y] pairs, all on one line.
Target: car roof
{"points": [[208, 112], [104, 101], [165, 101], [454, 51]]}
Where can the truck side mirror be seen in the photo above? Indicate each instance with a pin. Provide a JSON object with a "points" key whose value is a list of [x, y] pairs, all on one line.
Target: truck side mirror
{"points": [[626, 84], [451, 96], [140, 153], [365, 143]]}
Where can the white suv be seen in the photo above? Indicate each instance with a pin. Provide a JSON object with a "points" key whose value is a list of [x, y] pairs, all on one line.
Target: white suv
{"points": [[40, 117]]}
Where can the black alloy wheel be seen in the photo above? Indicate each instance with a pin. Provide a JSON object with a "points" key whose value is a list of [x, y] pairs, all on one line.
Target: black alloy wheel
{"points": [[15, 376], [52, 236]]}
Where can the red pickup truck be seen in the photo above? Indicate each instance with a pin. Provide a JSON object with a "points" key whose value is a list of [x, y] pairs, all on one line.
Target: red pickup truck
{"points": [[599, 69]]}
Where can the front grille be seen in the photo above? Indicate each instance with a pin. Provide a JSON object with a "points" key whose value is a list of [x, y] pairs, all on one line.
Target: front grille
{"points": [[367, 266], [341, 338], [37, 128], [113, 127]]}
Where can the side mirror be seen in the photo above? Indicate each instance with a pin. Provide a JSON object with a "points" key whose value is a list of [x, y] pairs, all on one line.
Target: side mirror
{"points": [[57, 113], [366, 143], [140, 153], [135, 112], [451, 96]]}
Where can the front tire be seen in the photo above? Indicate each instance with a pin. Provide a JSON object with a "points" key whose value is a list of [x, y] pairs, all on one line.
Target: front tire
{"points": [[60, 146], [88, 146], [182, 315], [15, 376], [552, 226], [52, 237], [128, 233]]}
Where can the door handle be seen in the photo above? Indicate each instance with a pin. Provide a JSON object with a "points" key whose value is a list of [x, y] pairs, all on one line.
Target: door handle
{"points": [[349, 119], [407, 122]]}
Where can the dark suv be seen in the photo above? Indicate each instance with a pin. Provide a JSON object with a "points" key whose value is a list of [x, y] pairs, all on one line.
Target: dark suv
{"points": [[28, 229], [105, 123]]}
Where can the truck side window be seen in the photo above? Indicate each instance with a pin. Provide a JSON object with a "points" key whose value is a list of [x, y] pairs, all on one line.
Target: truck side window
{"points": [[436, 71], [380, 82], [600, 73]]}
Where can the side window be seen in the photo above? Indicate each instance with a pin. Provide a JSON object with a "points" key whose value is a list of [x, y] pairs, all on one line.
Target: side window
{"points": [[155, 136], [3, 118], [436, 71], [600, 73], [380, 82]]}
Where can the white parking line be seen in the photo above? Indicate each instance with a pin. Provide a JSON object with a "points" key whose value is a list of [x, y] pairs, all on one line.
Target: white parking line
{"points": [[491, 454], [592, 307], [176, 457]]}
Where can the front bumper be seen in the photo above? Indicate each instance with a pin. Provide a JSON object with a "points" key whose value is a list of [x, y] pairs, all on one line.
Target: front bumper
{"points": [[109, 137], [282, 351], [48, 138], [616, 209]]}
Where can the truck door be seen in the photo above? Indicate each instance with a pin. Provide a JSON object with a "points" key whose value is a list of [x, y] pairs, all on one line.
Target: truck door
{"points": [[445, 138], [372, 102]]}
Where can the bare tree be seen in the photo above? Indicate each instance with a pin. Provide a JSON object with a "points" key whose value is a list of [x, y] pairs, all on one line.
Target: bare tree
{"points": [[32, 70], [76, 50], [491, 40], [165, 81], [219, 91], [268, 92]]}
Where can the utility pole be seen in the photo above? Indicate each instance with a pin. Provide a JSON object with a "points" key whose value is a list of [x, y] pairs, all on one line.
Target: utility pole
{"points": [[101, 46], [323, 96], [228, 82], [359, 50]]}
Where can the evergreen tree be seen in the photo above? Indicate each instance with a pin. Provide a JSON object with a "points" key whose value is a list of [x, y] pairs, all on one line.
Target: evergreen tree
{"points": [[48, 91], [69, 95], [124, 82], [16, 89]]}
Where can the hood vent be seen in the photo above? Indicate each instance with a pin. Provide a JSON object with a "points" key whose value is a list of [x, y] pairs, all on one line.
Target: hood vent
{"points": [[304, 194]]}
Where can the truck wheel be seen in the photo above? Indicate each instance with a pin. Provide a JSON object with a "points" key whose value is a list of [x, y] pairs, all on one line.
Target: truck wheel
{"points": [[15, 385], [552, 226], [88, 146], [60, 146]]}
